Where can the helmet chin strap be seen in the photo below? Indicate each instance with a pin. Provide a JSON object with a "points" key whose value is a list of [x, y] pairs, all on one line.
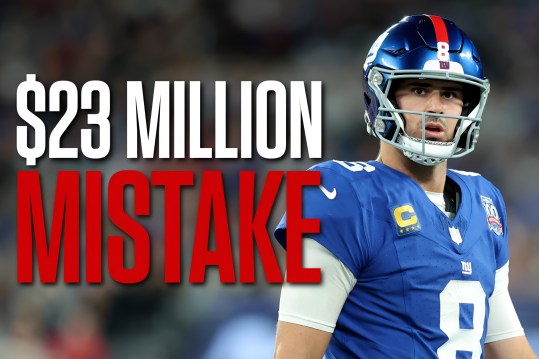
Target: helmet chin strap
{"points": [[431, 153], [423, 160]]}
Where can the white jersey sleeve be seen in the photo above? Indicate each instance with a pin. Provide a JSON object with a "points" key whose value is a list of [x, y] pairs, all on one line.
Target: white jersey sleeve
{"points": [[503, 322], [317, 305]]}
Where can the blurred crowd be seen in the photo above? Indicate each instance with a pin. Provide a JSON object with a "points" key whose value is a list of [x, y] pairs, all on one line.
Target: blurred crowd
{"points": [[236, 40]]}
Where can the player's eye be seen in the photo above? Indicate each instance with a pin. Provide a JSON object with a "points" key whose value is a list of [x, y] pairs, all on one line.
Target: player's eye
{"points": [[419, 90], [450, 95]]}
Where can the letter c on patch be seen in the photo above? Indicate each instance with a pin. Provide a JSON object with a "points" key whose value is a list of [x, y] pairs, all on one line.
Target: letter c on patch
{"points": [[405, 216]]}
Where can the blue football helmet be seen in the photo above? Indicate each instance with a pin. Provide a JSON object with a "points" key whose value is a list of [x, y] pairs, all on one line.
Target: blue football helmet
{"points": [[423, 47]]}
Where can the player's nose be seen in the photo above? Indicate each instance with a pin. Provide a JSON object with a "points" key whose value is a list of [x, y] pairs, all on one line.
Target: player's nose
{"points": [[434, 103]]}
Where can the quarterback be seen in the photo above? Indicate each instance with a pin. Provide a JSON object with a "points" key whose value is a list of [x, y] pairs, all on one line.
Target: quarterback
{"points": [[414, 256]]}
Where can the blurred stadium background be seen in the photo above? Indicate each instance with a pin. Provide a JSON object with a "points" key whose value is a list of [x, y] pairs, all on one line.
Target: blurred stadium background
{"points": [[209, 40]]}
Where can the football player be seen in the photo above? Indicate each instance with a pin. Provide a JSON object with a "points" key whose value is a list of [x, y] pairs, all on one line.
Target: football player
{"points": [[414, 256]]}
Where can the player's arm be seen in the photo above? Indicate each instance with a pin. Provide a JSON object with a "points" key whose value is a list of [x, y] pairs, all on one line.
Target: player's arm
{"points": [[295, 341], [516, 347], [505, 336], [308, 312]]}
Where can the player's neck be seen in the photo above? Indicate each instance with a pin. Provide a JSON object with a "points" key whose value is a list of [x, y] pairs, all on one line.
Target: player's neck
{"points": [[430, 178]]}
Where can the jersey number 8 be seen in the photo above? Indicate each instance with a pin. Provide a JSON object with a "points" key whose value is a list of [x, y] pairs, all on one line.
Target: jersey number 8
{"points": [[455, 296]]}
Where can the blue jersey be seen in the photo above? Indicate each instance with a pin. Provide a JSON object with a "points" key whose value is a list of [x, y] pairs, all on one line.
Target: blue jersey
{"points": [[423, 280]]}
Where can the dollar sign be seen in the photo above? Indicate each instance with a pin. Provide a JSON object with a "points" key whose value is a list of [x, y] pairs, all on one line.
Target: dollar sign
{"points": [[31, 154]]}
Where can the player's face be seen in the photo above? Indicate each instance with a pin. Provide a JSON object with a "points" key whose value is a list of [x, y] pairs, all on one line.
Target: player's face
{"points": [[431, 96]]}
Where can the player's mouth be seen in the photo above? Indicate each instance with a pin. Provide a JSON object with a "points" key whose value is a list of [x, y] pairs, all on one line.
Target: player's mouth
{"points": [[434, 131]]}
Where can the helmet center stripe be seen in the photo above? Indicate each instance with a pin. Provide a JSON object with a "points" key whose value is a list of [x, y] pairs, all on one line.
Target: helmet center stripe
{"points": [[439, 28]]}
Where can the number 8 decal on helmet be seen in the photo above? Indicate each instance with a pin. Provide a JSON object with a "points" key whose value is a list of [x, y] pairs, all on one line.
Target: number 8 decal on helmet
{"points": [[443, 51]]}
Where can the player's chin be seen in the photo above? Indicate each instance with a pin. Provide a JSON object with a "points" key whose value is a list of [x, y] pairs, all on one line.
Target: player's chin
{"points": [[437, 139]]}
